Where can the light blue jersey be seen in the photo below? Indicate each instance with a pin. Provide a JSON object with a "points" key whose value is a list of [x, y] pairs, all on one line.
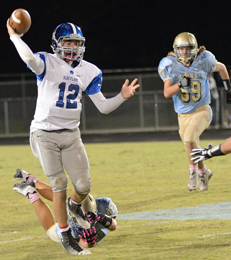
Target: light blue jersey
{"points": [[188, 99]]}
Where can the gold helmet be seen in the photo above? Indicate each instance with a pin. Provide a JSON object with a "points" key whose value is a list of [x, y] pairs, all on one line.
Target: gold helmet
{"points": [[185, 39], [89, 204]]}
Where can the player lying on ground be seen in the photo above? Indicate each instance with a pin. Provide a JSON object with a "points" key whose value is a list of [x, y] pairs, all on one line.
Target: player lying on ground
{"points": [[101, 212], [207, 153]]}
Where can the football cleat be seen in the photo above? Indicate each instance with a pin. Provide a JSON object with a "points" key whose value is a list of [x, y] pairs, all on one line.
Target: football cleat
{"points": [[193, 181], [21, 175], [25, 188], [204, 180], [77, 211], [71, 245]]}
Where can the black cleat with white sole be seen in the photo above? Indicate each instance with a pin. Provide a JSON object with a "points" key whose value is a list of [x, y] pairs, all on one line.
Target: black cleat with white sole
{"points": [[21, 175], [77, 211], [71, 245], [25, 188]]}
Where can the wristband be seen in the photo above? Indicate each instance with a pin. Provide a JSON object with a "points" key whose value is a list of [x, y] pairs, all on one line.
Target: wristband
{"points": [[179, 84], [215, 151], [105, 220], [226, 83]]}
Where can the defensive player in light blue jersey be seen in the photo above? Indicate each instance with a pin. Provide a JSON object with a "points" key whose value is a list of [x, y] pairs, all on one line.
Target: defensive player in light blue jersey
{"points": [[101, 212], [185, 75], [55, 138]]}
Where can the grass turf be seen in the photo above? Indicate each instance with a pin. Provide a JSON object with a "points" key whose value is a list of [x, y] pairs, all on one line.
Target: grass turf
{"points": [[139, 177]]}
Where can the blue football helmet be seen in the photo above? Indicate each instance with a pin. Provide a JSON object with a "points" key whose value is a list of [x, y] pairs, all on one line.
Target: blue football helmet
{"points": [[65, 32]]}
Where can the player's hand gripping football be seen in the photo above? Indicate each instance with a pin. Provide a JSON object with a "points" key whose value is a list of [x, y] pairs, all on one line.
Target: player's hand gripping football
{"points": [[201, 154], [129, 90], [9, 28], [89, 235]]}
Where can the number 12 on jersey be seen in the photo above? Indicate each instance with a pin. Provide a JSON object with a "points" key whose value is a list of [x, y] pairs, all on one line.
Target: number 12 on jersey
{"points": [[70, 103]]}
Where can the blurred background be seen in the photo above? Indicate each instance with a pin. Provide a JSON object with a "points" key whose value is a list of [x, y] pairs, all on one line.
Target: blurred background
{"points": [[125, 39]]}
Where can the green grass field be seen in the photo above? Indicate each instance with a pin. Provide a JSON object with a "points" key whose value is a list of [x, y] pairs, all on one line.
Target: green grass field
{"points": [[139, 177]]}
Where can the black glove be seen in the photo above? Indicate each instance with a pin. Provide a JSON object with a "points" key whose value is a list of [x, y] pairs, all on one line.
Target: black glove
{"points": [[228, 97], [89, 235], [104, 219], [184, 82], [227, 87], [206, 153], [93, 217], [201, 154]]}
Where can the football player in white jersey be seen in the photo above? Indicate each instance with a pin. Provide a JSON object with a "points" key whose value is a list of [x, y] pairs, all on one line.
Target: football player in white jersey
{"points": [[185, 75], [54, 132], [101, 211]]}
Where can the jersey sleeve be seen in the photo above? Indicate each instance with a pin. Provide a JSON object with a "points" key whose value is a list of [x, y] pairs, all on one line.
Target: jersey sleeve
{"points": [[164, 68], [106, 206], [106, 105], [210, 60], [34, 63], [101, 231], [42, 66], [95, 85]]}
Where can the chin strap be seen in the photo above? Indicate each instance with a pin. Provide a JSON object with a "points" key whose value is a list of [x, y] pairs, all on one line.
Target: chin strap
{"points": [[74, 64]]}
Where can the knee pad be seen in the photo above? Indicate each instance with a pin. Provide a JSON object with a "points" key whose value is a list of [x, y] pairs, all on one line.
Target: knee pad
{"points": [[52, 233], [58, 182], [83, 186]]}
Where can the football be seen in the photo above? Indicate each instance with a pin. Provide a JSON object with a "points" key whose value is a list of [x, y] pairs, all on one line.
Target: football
{"points": [[20, 21]]}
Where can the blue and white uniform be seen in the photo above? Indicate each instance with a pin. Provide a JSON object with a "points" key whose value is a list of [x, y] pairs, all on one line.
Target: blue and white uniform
{"points": [[60, 90], [55, 137], [188, 99], [105, 206]]}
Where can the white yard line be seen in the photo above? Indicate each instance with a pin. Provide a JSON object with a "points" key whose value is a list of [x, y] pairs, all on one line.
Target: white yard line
{"points": [[20, 239], [217, 234]]}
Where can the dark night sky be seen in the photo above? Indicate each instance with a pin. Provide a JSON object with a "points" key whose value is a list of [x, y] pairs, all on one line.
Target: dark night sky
{"points": [[121, 34]]}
